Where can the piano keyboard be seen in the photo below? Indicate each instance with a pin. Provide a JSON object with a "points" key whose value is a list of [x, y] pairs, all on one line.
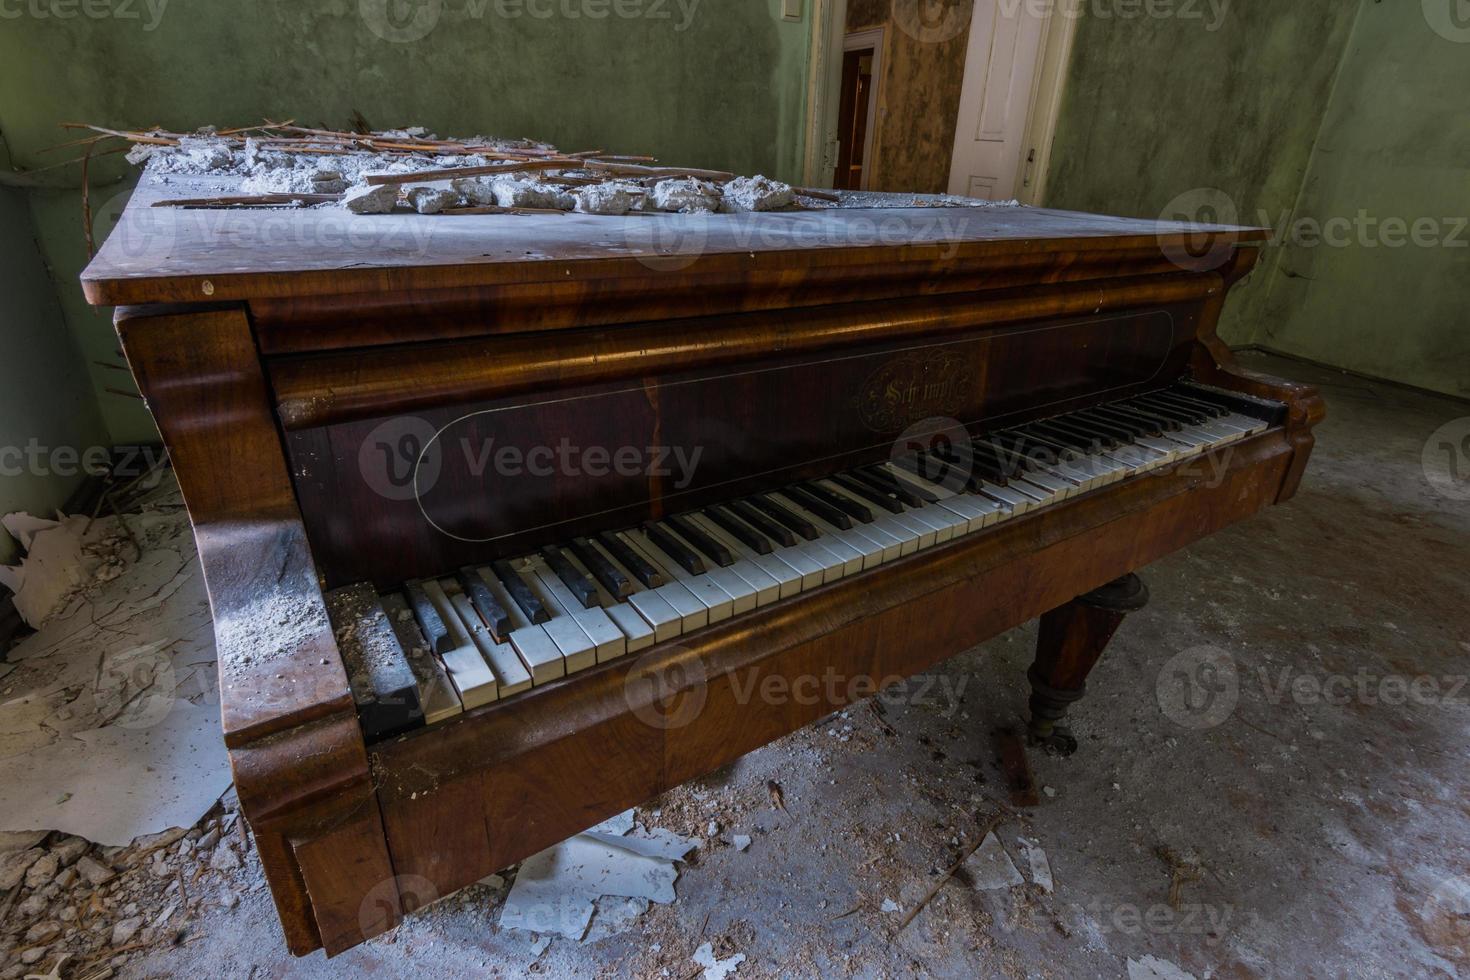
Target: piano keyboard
{"points": [[491, 631]]}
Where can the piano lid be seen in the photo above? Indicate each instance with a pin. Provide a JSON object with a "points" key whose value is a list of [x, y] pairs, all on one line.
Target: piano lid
{"points": [[171, 254]]}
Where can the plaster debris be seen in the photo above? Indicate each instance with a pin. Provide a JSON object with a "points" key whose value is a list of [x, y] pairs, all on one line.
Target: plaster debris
{"points": [[513, 192], [714, 968], [756, 193], [1154, 968], [991, 867], [611, 197], [371, 199], [687, 195], [558, 890], [741, 841], [539, 944], [53, 567], [1040, 865], [474, 190], [889, 905], [431, 200]]}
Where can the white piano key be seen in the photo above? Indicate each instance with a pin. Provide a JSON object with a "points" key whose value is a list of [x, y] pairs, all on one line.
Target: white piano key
{"points": [[608, 641], [637, 631], [467, 670], [767, 587], [743, 594], [787, 579], [857, 553], [977, 511], [910, 536], [1019, 503], [541, 656], [511, 674], [714, 598], [577, 650], [437, 695]]}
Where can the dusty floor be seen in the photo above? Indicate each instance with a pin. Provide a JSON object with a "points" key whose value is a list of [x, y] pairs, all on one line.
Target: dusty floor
{"points": [[1312, 815]]}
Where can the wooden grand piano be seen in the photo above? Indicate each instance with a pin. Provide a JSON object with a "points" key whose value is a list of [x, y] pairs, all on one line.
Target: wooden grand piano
{"points": [[503, 516]]}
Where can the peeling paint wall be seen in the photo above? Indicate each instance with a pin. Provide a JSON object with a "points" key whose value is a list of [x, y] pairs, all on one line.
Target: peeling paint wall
{"points": [[48, 417], [1384, 288], [1209, 116], [709, 83], [923, 71]]}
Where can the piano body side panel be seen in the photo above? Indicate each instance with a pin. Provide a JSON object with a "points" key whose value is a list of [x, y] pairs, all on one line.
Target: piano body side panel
{"points": [[296, 749], [1214, 363], [633, 729], [418, 492]]}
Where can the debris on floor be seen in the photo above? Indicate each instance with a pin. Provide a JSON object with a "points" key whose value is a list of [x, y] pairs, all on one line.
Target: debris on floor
{"points": [[1040, 864], [109, 716], [1155, 968], [560, 889], [990, 867], [716, 969]]}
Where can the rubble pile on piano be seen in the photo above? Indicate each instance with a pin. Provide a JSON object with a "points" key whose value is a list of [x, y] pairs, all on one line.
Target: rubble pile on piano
{"points": [[284, 165]]}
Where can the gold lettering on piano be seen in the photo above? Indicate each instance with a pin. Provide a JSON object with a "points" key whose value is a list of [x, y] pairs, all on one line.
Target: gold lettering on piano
{"points": [[913, 386]]}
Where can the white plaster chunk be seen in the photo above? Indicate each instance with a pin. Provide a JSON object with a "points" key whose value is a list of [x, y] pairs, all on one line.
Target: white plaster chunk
{"points": [[686, 195], [611, 197], [991, 867], [431, 200], [513, 192], [371, 199], [1155, 968], [756, 193], [714, 968]]}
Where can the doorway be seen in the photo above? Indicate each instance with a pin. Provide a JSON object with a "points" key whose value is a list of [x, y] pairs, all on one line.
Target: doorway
{"points": [[1014, 68], [862, 57]]}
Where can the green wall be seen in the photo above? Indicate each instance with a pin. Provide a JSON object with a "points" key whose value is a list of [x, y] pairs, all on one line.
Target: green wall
{"points": [[1159, 112], [1395, 149], [48, 417], [715, 83]]}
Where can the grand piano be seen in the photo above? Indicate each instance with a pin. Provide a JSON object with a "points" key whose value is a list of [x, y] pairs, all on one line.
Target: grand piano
{"points": [[504, 516]]}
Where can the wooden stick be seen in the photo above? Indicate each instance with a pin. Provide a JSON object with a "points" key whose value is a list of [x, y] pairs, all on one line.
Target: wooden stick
{"points": [[819, 195], [246, 200], [985, 832], [563, 163], [633, 169]]}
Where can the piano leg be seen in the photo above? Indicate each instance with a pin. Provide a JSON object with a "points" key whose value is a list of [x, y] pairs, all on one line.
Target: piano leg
{"points": [[1071, 640]]}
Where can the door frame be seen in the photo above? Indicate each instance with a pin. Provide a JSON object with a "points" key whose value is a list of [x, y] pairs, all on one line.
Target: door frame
{"points": [[857, 41], [1046, 97], [823, 92]]}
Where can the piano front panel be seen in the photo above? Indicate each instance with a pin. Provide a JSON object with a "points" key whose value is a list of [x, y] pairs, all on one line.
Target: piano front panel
{"points": [[412, 494]]}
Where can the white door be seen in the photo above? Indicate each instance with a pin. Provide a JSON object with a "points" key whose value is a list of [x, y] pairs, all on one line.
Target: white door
{"points": [[995, 101]]}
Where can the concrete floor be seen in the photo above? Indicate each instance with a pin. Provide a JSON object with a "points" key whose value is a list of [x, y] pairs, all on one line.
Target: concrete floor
{"points": [[1326, 816]]}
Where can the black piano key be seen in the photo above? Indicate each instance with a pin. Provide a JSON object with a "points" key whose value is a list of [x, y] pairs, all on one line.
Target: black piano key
{"points": [[1060, 435], [423, 609], [1217, 398], [1006, 463], [832, 515], [763, 522], [1167, 411], [910, 494], [702, 542], [740, 530], [854, 483], [497, 620], [573, 579], [378, 672], [1214, 410], [1158, 421], [984, 463], [775, 510], [651, 577], [520, 592], [1194, 413], [674, 548], [1097, 441], [604, 571], [846, 504], [1042, 449], [1136, 428]]}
